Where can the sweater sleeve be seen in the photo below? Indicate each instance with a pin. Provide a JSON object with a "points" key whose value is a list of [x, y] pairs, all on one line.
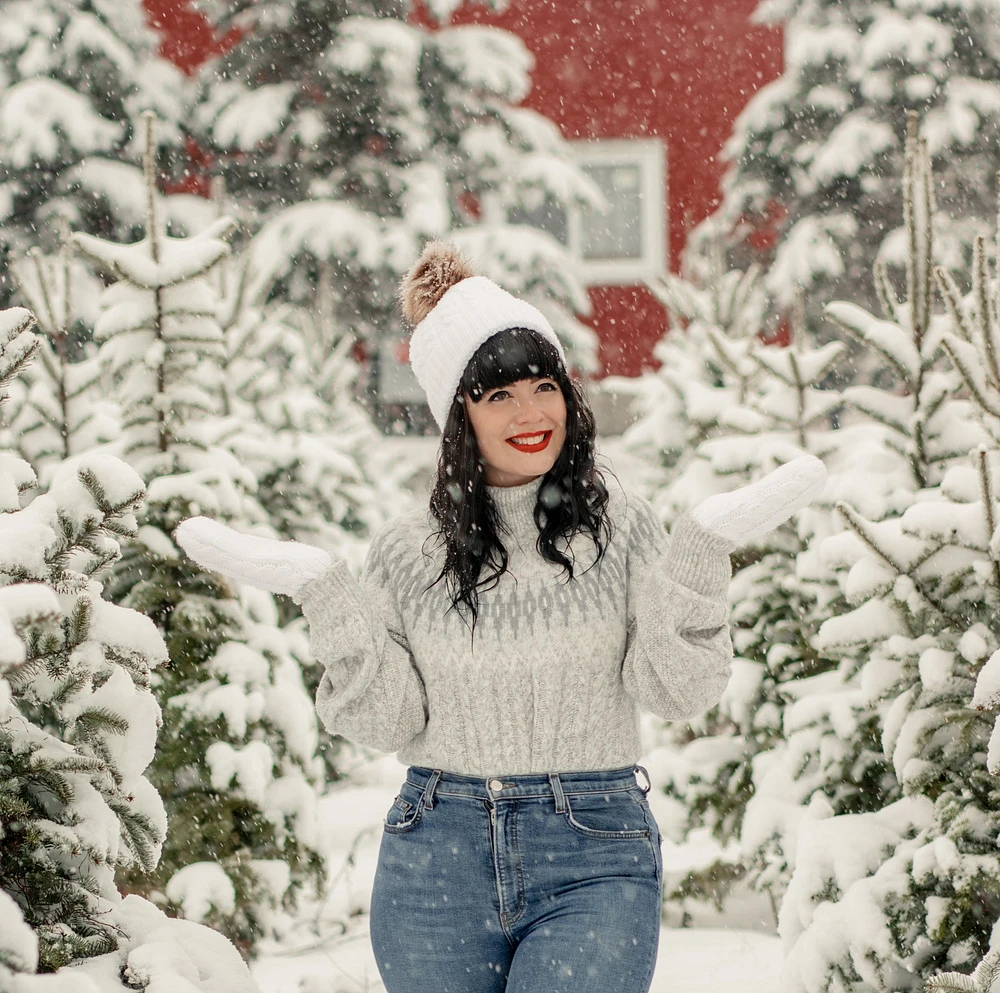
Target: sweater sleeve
{"points": [[371, 691], [678, 652]]}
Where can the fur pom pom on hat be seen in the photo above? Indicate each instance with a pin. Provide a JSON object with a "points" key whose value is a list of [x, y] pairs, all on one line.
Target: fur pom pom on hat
{"points": [[455, 311]]}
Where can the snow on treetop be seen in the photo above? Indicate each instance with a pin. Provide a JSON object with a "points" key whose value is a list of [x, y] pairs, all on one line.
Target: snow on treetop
{"points": [[85, 38], [180, 258], [15, 477], [127, 632], [243, 118], [893, 343], [252, 766], [14, 321], [809, 249], [987, 694], [165, 954], [122, 186], [18, 942], [133, 750], [198, 888], [443, 9], [809, 366], [969, 105], [521, 258], [921, 41], [327, 229], [35, 115], [240, 665], [850, 147], [25, 536], [807, 46], [367, 44], [873, 621], [121, 484], [488, 60], [425, 199], [23, 601]]}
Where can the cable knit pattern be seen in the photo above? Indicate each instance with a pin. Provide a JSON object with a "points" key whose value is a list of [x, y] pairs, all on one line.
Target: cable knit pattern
{"points": [[558, 670]]}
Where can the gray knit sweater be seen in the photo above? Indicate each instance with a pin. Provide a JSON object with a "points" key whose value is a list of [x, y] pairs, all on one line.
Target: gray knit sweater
{"points": [[558, 670]]}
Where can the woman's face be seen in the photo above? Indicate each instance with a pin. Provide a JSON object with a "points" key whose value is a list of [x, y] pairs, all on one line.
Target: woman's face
{"points": [[520, 430]]}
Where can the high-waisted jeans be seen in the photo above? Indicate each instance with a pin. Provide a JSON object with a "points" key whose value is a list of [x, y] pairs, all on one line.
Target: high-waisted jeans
{"points": [[545, 883]]}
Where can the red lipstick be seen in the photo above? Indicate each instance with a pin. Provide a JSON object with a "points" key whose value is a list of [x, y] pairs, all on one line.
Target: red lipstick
{"points": [[537, 447]]}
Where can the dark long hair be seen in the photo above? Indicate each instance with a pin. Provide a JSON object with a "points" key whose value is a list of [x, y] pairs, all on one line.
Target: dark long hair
{"points": [[572, 498]]}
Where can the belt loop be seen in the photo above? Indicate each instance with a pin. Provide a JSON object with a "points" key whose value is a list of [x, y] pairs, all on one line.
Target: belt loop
{"points": [[428, 796], [558, 791], [649, 783]]}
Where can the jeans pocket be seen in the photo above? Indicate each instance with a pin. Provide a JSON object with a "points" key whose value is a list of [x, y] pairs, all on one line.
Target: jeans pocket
{"points": [[606, 815], [402, 816]]}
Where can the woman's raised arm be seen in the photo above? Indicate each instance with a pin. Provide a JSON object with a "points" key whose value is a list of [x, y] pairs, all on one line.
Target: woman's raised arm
{"points": [[679, 652], [371, 691]]}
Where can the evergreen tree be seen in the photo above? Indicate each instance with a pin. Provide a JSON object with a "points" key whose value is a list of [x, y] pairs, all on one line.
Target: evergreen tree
{"points": [[814, 151], [882, 900], [61, 413], [236, 762], [292, 420], [291, 417], [75, 75], [983, 979], [356, 134], [773, 611], [894, 444], [77, 719], [716, 315]]}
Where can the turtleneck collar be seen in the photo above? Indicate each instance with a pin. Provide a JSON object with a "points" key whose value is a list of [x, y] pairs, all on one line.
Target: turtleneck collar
{"points": [[516, 505]]}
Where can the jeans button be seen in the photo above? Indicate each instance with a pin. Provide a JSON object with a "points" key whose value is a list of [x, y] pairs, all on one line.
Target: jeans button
{"points": [[495, 784]]}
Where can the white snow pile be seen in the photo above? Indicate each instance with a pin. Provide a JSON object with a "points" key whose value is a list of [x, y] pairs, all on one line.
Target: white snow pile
{"points": [[156, 953]]}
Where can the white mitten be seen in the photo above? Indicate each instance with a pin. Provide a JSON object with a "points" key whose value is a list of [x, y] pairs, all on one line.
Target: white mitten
{"points": [[276, 566], [752, 511]]}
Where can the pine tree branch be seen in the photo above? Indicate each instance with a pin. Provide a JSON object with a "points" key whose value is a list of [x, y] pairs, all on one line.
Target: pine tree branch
{"points": [[981, 289], [857, 524], [952, 297], [986, 495]]}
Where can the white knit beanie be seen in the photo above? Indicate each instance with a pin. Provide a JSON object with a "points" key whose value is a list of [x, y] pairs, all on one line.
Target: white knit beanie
{"points": [[454, 311]]}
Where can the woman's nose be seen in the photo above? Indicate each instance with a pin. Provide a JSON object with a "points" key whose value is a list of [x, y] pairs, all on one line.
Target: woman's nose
{"points": [[526, 410]]}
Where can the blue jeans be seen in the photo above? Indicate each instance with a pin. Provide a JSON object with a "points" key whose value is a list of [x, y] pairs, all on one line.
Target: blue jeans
{"points": [[545, 883]]}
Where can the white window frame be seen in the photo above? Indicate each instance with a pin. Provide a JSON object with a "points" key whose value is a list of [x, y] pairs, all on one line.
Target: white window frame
{"points": [[650, 155]]}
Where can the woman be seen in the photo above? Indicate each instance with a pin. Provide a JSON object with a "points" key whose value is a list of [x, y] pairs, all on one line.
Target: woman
{"points": [[503, 644]]}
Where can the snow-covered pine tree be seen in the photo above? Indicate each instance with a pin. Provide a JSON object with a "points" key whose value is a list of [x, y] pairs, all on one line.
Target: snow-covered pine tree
{"points": [[380, 134], [880, 901], [62, 412], [982, 980], [236, 760], [291, 418], [814, 152], [786, 413], [894, 444], [78, 722], [716, 314], [75, 75]]}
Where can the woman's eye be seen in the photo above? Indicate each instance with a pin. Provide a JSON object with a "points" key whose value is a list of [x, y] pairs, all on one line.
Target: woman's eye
{"points": [[499, 395], [547, 386]]}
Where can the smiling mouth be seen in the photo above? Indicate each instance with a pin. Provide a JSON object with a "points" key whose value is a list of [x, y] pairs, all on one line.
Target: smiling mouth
{"points": [[530, 442]]}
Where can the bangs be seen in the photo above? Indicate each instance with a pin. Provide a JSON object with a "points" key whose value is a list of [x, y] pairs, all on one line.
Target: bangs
{"points": [[507, 357]]}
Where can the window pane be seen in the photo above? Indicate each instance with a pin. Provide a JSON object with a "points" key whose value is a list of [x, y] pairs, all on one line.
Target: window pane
{"points": [[615, 234], [549, 217]]}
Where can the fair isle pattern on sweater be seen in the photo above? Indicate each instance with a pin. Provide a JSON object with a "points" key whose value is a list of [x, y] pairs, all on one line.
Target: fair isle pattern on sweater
{"points": [[558, 669]]}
